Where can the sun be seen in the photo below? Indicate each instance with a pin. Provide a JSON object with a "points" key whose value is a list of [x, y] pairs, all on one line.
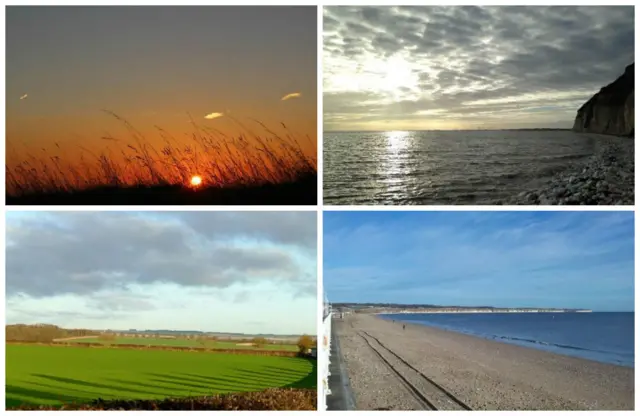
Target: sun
{"points": [[196, 181], [397, 74]]}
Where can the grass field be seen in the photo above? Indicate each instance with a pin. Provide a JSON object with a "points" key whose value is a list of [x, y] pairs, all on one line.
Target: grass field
{"points": [[49, 375], [187, 343]]}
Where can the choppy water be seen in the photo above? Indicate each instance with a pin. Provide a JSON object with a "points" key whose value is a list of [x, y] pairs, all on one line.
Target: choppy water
{"points": [[444, 167], [605, 337]]}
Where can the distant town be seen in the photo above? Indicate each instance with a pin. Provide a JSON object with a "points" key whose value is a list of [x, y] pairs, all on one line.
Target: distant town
{"points": [[389, 308]]}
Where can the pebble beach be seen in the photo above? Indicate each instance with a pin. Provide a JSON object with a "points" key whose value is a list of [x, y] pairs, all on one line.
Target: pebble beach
{"points": [[484, 374], [606, 178]]}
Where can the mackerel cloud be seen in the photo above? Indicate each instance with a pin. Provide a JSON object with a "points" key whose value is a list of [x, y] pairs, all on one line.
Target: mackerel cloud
{"points": [[467, 64]]}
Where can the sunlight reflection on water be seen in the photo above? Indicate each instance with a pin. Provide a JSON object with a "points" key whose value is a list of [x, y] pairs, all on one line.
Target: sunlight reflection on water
{"points": [[443, 167], [394, 166]]}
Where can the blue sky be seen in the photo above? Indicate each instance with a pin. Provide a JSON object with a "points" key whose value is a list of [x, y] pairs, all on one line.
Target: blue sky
{"points": [[528, 259], [251, 272]]}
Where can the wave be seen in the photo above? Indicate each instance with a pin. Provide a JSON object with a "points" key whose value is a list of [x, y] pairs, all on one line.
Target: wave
{"points": [[562, 340], [551, 344]]}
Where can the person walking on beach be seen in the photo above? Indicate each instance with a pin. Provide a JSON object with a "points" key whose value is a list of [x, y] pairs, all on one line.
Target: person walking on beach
{"points": [[403, 327]]}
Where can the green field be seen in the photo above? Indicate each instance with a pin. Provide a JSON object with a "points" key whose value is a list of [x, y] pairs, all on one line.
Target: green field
{"points": [[49, 375], [187, 343]]}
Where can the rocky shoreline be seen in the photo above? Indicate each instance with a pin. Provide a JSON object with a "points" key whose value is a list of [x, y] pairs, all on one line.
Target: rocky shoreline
{"points": [[606, 178]]}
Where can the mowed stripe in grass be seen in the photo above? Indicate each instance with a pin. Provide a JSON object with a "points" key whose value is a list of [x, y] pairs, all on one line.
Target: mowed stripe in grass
{"points": [[186, 343], [55, 375]]}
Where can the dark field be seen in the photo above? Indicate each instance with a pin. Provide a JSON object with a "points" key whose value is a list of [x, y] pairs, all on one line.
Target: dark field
{"points": [[270, 399], [302, 191]]}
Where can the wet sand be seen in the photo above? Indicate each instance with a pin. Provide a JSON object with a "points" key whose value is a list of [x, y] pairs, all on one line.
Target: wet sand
{"points": [[486, 375]]}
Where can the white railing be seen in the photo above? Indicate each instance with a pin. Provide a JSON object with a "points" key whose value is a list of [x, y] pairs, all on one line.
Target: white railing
{"points": [[325, 355]]}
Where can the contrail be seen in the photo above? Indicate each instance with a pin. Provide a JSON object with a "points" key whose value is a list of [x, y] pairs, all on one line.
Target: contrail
{"points": [[292, 95]]}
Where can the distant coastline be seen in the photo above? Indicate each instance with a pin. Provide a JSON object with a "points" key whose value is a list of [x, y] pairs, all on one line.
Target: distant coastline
{"points": [[386, 308], [492, 310]]}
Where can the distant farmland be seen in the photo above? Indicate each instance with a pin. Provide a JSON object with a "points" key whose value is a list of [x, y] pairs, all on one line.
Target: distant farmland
{"points": [[182, 342], [45, 375]]}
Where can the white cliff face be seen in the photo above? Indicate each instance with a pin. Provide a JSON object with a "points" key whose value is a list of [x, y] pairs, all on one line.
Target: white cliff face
{"points": [[611, 110]]}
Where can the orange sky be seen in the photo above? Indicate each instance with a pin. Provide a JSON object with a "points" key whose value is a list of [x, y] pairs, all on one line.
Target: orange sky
{"points": [[153, 66]]}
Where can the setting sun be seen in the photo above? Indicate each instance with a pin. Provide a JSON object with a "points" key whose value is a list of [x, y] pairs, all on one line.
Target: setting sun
{"points": [[164, 142]]}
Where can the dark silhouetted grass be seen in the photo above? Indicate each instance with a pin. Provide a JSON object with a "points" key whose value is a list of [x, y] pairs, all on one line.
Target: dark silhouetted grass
{"points": [[250, 169]]}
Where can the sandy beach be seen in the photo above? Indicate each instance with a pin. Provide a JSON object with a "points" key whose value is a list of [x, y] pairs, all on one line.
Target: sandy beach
{"points": [[414, 369]]}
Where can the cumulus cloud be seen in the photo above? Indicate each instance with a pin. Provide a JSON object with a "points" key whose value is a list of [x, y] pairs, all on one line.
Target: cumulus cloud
{"points": [[24, 97], [292, 95], [211, 116], [469, 66]]}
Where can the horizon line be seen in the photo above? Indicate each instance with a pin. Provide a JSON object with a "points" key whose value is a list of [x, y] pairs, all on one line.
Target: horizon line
{"points": [[414, 130], [417, 305], [167, 330]]}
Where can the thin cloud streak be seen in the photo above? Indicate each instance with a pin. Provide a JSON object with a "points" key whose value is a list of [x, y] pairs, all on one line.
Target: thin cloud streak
{"points": [[211, 116], [292, 95]]}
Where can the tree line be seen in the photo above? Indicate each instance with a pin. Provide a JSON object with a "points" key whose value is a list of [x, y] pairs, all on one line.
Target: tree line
{"points": [[43, 332], [49, 333]]}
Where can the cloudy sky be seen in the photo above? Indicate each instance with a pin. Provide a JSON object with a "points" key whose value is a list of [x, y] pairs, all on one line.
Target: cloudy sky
{"points": [[212, 271], [431, 67], [505, 259]]}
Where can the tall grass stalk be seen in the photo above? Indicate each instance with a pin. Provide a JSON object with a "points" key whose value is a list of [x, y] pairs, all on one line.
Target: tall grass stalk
{"points": [[221, 160]]}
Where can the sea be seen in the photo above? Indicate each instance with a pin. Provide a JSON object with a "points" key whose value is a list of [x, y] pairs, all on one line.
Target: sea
{"points": [[606, 337], [444, 167]]}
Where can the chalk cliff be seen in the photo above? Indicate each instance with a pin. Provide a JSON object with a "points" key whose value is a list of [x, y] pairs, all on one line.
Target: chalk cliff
{"points": [[610, 111]]}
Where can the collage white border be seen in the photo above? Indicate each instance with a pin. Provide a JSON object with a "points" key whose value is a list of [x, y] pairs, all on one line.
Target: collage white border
{"points": [[320, 208]]}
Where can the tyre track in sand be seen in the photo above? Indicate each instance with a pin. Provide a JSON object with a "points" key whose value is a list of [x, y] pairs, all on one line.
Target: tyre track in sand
{"points": [[429, 395]]}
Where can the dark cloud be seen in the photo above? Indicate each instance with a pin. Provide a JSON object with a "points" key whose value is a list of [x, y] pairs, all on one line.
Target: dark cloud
{"points": [[453, 55], [85, 252], [294, 228], [59, 316]]}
